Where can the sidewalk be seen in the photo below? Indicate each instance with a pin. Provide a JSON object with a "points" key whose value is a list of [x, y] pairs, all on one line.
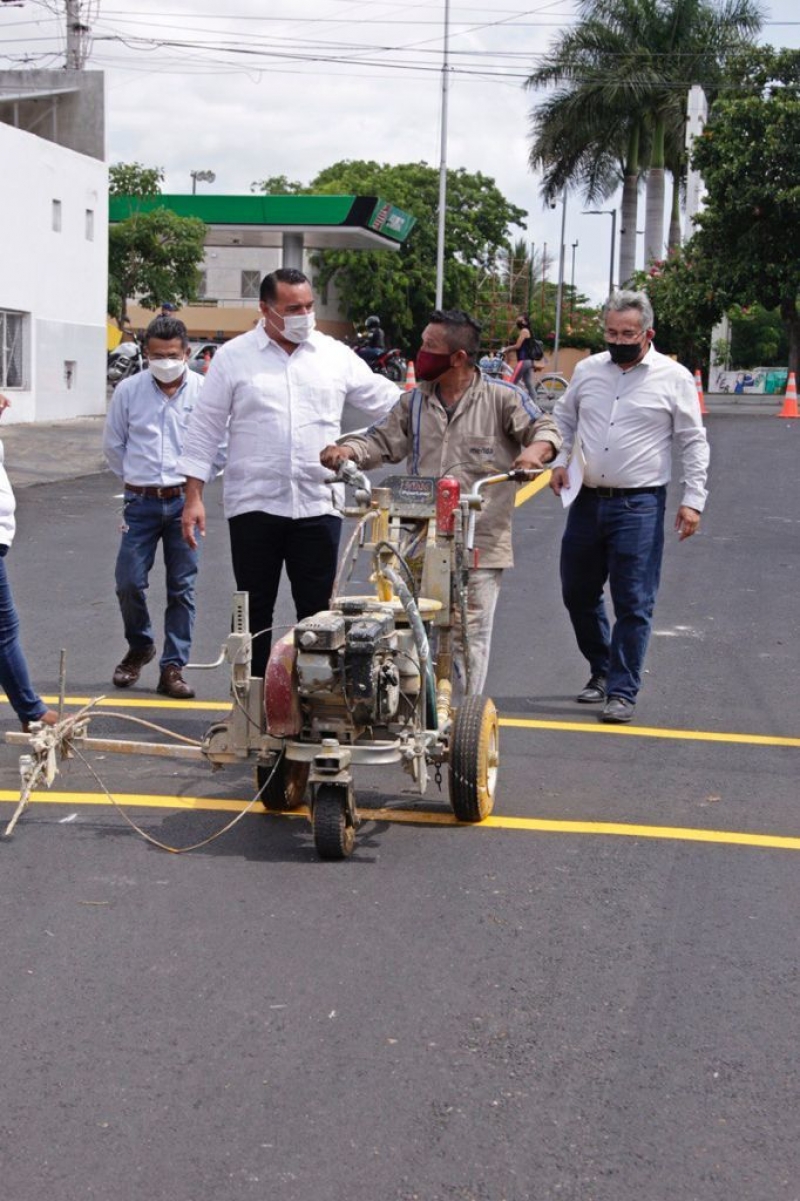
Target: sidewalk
{"points": [[49, 451], [46, 452]]}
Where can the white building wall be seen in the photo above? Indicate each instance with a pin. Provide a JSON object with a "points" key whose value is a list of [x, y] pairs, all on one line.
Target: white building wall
{"points": [[57, 279], [223, 267]]}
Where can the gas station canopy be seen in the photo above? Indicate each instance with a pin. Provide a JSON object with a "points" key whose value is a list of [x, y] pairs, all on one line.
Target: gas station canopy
{"points": [[291, 222]]}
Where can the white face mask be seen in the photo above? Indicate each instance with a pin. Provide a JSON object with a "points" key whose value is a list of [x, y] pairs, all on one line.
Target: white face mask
{"points": [[297, 326], [166, 371]]}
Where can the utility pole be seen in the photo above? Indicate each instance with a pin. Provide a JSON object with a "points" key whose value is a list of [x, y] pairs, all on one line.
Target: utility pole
{"points": [[440, 233], [77, 36]]}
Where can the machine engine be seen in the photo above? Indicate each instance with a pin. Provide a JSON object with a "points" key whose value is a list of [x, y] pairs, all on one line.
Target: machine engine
{"points": [[356, 669]]}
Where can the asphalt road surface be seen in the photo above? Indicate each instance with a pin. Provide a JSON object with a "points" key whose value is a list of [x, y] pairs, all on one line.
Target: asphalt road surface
{"points": [[591, 997]]}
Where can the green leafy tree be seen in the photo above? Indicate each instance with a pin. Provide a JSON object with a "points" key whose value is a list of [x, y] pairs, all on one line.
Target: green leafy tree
{"points": [[749, 155], [758, 337], [685, 303], [132, 179], [278, 185], [401, 286], [154, 257]]}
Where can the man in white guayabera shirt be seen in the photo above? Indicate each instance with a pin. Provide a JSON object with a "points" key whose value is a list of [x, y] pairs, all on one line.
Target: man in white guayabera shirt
{"points": [[278, 391], [623, 411]]}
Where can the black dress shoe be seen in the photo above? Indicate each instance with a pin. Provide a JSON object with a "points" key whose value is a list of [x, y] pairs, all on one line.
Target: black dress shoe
{"points": [[617, 710], [594, 692]]}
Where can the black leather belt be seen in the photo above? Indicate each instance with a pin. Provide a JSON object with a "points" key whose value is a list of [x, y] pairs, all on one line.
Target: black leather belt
{"points": [[156, 493], [607, 493]]}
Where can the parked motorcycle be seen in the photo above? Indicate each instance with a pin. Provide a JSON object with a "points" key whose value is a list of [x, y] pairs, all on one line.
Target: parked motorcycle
{"points": [[124, 360], [391, 363]]}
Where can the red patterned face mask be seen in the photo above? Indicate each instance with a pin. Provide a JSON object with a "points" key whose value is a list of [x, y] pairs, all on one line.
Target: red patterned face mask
{"points": [[430, 366]]}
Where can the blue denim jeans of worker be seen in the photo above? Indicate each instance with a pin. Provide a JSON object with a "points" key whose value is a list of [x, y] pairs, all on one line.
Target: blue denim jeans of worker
{"points": [[618, 540], [148, 521], [14, 676]]}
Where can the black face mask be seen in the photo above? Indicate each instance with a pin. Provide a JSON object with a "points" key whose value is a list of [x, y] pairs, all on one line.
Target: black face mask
{"points": [[624, 353]]}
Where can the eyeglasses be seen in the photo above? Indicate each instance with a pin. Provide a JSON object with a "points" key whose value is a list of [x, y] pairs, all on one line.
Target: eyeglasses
{"points": [[622, 335]]}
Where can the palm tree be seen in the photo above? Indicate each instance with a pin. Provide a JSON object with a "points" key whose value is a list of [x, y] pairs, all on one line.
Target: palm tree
{"points": [[621, 77]]}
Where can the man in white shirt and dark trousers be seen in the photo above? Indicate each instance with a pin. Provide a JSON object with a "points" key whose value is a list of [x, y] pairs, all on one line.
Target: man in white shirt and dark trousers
{"points": [[143, 436], [625, 408], [279, 390]]}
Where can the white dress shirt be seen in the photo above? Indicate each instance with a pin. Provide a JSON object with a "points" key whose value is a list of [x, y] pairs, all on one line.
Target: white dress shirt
{"points": [[7, 506], [145, 428], [280, 411], [626, 422]]}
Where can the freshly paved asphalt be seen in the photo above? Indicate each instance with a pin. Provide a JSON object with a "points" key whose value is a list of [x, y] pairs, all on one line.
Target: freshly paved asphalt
{"points": [[586, 1003]]}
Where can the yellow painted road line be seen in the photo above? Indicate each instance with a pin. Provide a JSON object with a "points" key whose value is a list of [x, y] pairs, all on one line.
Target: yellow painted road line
{"points": [[526, 723], [528, 490], [127, 702], [431, 818], [521, 723]]}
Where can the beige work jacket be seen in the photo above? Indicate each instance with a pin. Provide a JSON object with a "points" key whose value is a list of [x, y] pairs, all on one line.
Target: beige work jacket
{"points": [[485, 433]]}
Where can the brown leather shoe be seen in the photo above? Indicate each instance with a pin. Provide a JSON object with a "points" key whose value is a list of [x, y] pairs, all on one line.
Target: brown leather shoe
{"points": [[127, 672], [172, 683], [48, 718]]}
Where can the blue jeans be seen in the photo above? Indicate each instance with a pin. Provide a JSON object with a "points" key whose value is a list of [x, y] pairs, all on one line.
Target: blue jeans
{"points": [[14, 676], [148, 521], [617, 539]]}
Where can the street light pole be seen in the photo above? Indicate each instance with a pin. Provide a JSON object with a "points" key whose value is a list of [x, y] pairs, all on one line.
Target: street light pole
{"points": [[201, 177], [572, 282], [560, 291]]}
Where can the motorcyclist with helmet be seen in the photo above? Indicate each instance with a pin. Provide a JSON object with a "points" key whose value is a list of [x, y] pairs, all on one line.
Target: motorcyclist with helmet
{"points": [[372, 342]]}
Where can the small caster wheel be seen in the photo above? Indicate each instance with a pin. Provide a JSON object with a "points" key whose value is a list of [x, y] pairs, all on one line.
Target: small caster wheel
{"points": [[334, 833]]}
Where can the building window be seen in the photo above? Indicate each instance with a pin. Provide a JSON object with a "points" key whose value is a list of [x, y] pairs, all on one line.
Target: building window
{"points": [[251, 285], [90, 225], [12, 349], [202, 284], [57, 216]]}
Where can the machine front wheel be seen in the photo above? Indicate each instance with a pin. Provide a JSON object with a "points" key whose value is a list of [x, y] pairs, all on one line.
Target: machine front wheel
{"points": [[283, 788], [334, 836], [474, 759]]}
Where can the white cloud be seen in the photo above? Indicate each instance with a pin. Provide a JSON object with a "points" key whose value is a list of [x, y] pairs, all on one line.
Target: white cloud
{"points": [[250, 89]]}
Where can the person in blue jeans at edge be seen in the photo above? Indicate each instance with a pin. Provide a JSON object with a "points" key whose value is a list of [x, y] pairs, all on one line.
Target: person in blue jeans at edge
{"points": [[625, 408], [142, 440], [15, 678]]}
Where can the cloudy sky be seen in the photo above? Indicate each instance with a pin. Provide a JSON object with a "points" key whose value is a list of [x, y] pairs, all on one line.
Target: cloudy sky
{"points": [[286, 87]]}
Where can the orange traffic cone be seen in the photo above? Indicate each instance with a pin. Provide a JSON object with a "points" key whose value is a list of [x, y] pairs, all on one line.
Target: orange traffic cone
{"points": [[411, 376], [790, 399], [698, 379]]}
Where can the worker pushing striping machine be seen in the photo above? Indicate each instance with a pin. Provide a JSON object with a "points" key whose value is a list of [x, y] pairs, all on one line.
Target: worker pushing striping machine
{"points": [[366, 682]]}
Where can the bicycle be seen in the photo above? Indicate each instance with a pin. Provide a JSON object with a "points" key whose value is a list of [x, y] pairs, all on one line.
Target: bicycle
{"points": [[546, 388]]}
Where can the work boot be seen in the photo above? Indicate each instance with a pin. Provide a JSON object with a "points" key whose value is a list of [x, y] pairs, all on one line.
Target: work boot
{"points": [[172, 683], [127, 672]]}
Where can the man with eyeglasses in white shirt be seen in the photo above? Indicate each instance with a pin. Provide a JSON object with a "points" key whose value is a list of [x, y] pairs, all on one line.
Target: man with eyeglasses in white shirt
{"points": [[279, 390], [625, 408]]}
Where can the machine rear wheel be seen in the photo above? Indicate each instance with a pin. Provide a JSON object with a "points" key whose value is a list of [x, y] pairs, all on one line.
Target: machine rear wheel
{"points": [[285, 786], [474, 759], [334, 838]]}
